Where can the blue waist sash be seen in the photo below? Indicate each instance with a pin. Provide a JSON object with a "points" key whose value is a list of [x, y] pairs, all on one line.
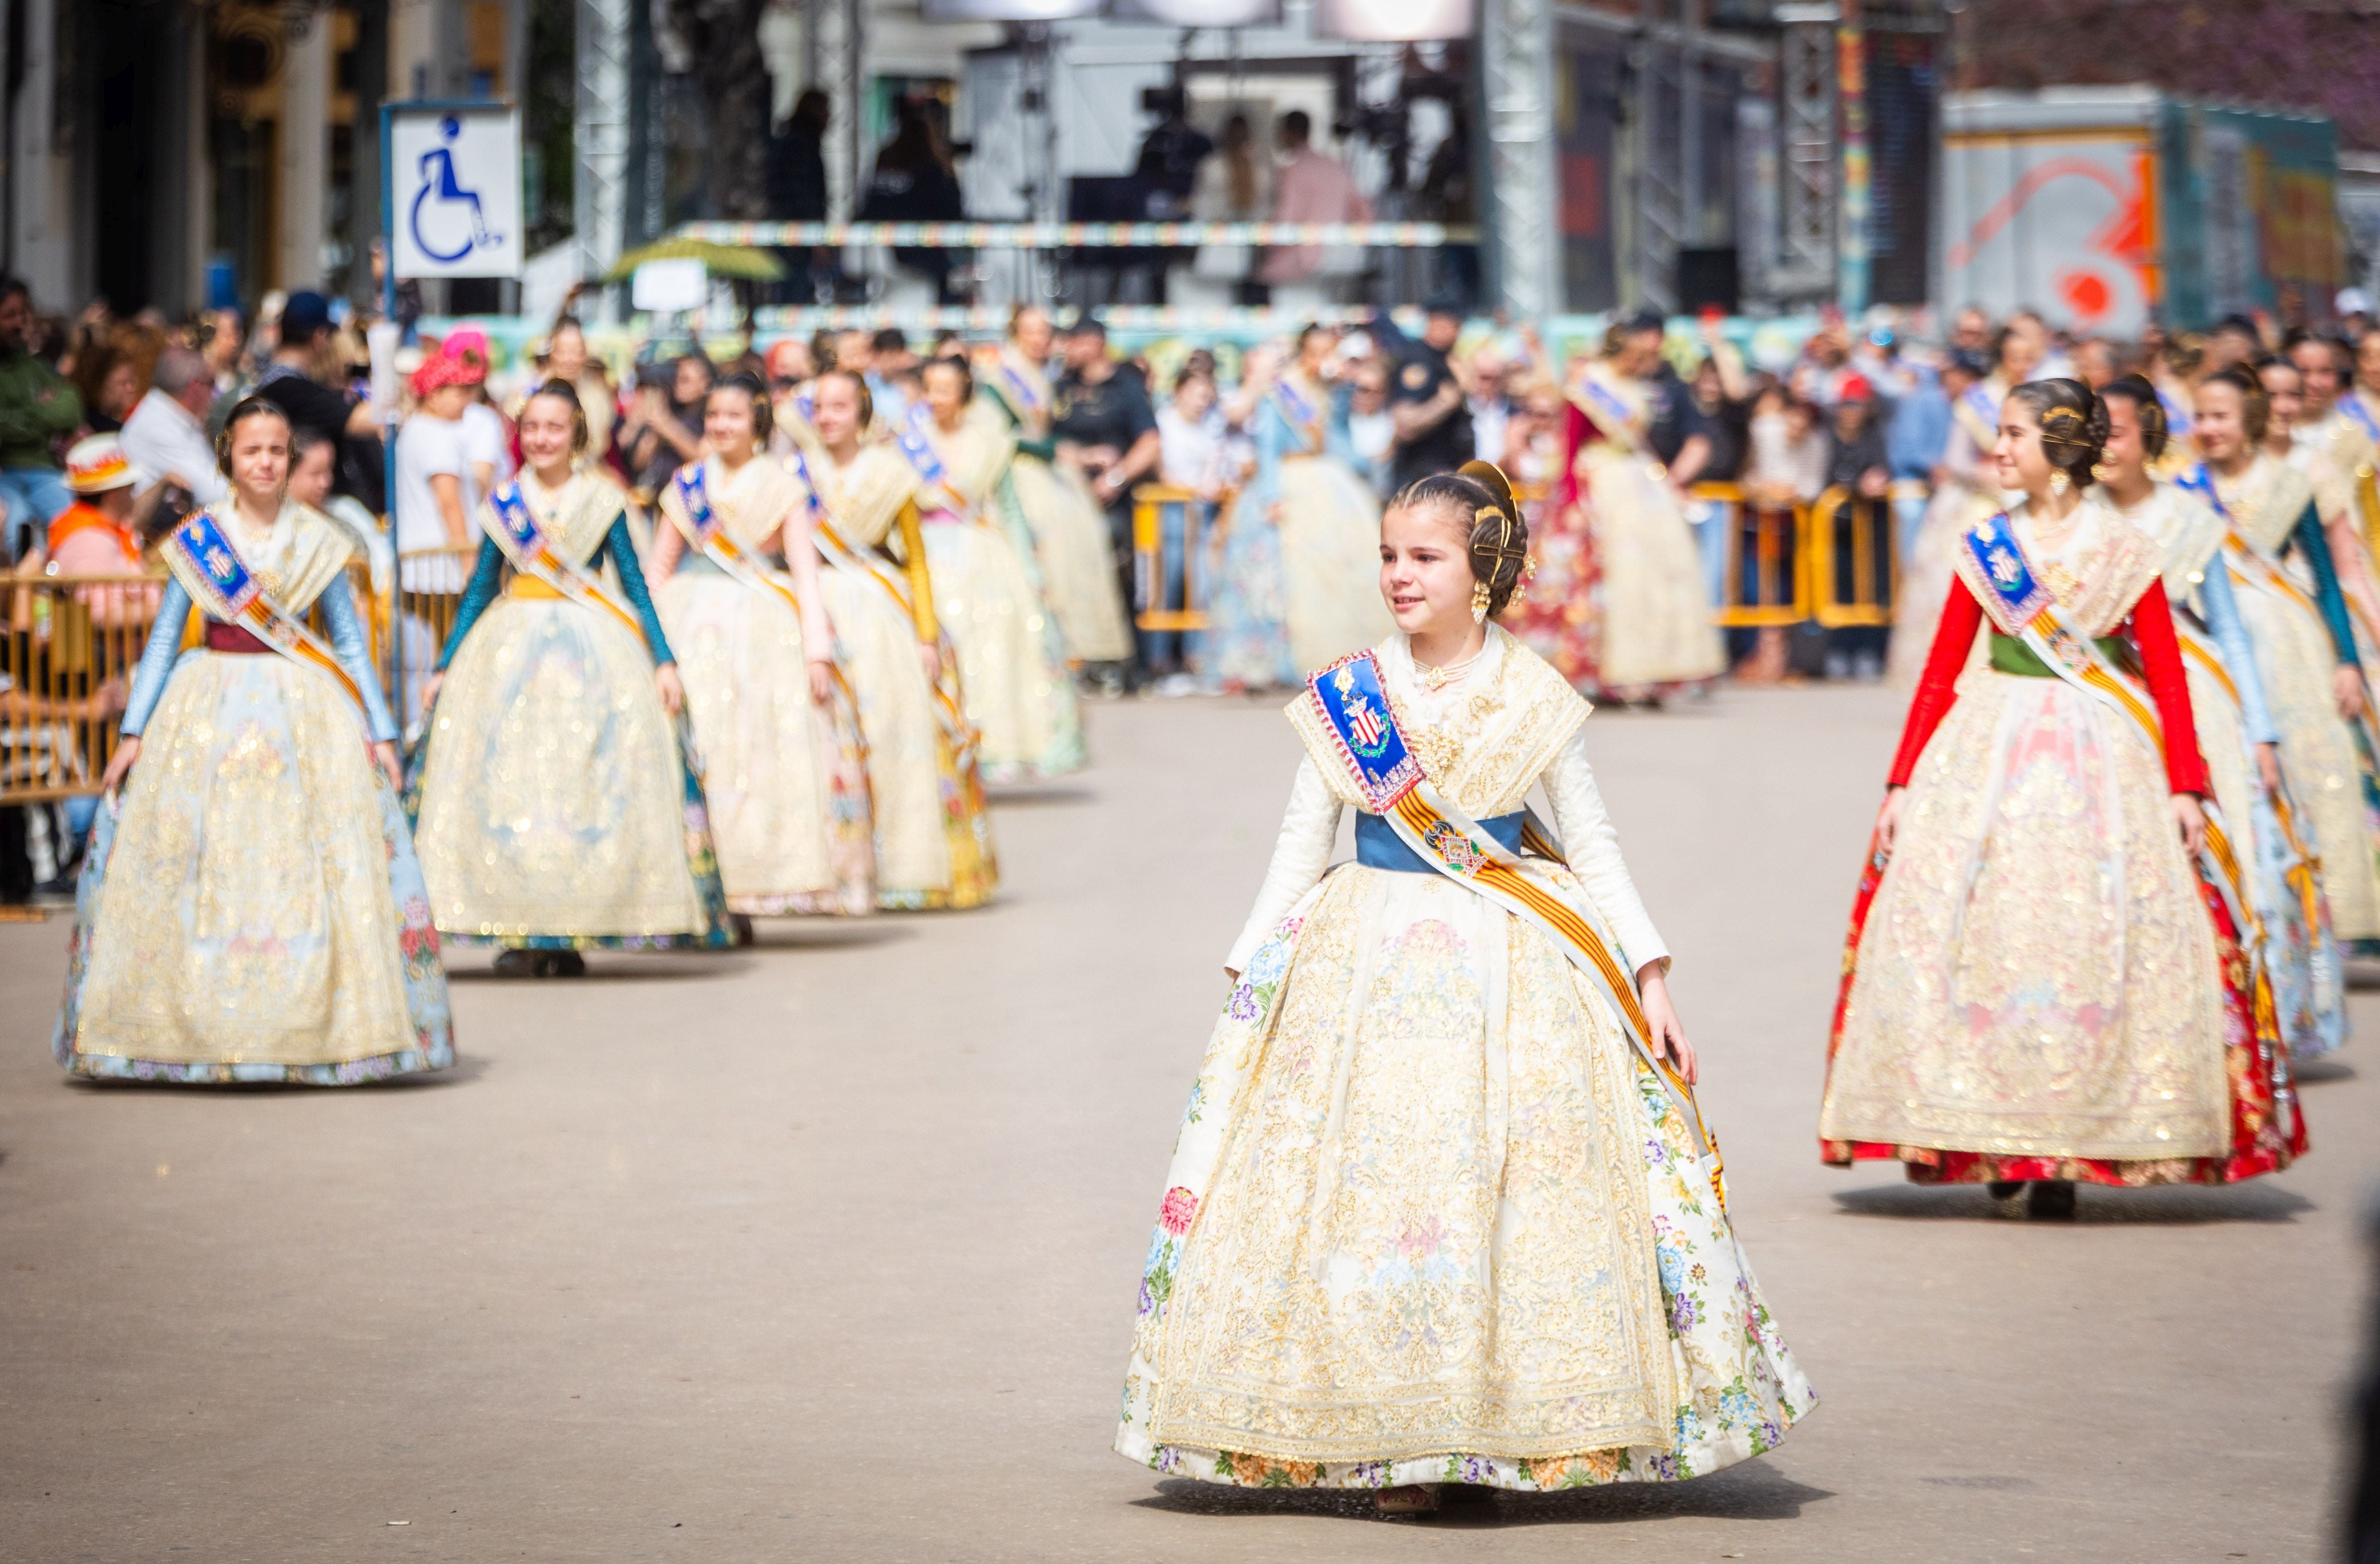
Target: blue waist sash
{"points": [[1378, 845]]}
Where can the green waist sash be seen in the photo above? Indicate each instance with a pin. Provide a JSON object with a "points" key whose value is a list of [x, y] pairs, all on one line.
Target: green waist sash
{"points": [[2012, 656]]}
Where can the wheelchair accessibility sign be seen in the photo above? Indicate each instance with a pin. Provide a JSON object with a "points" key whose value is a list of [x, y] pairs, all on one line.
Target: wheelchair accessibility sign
{"points": [[456, 190]]}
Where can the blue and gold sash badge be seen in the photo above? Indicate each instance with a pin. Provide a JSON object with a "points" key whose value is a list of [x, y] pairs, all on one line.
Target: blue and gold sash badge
{"points": [[1355, 706]]}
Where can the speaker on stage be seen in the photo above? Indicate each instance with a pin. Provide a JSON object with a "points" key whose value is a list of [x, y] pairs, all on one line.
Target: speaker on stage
{"points": [[1708, 279]]}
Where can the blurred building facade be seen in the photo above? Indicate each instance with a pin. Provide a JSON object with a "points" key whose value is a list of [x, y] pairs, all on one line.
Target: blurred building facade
{"points": [[1670, 154]]}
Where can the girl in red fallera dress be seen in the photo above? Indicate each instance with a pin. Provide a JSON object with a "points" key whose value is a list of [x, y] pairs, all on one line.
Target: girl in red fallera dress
{"points": [[2048, 977]]}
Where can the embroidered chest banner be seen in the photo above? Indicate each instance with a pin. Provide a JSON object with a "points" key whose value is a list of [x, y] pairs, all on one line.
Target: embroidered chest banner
{"points": [[230, 587], [2198, 481], [225, 589], [532, 553], [2004, 566], [912, 436], [1302, 415], [1028, 402], [2353, 406], [1354, 706], [694, 493]]}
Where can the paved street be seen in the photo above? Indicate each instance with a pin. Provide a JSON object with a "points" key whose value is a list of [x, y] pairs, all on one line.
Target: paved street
{"points": [[827, 1250]]}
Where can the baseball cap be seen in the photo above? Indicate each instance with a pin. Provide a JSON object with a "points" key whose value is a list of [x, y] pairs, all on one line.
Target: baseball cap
{"points": [[306, 313]]}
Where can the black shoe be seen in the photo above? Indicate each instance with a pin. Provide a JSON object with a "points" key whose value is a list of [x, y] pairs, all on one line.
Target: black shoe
{"points": [[2051, 1200], [516, 964], [2006, 1189], [739, 925], [561, 963]]}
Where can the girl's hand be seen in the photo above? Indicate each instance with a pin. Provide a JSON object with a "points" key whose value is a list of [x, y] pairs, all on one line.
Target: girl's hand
{"points": [[671, 688], [430, 689], [119, 765], [2347, 688], [2268, 766], [1888, 820], [2193, 821], [822, 681], [929, 658], [1661, 1017], [384, 755]]}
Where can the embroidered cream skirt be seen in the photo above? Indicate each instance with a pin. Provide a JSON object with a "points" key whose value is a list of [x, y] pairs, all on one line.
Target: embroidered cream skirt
{"points": [[1012, 672], [1430, 1218], [2037, 975], [1658, 628], [933, 837], [253, 910], [555, 801], [1078, 568], [2318, 753], [783, 773]]}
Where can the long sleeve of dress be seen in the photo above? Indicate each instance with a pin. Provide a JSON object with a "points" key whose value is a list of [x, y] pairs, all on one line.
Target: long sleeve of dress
{"points": [[1308, 831], [487, 577], [1592, 843], [1938, 688], [2327, 596], [622, 550], [2222, 606], [157, 657], [669, 546], [2185, 768], [354, 650]]}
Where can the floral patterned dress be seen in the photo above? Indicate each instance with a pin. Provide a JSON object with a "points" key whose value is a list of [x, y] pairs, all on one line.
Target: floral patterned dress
{"points": [[1430, 1216], [252, 909], [2039, 984]]}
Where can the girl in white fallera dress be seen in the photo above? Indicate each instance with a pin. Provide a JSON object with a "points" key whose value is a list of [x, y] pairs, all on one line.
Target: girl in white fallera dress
{"points": [[251, 910], [1441, 1209], [784, 763]]}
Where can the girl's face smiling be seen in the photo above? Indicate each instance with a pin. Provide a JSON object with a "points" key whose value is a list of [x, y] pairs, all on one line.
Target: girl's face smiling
{"points": [[1426, 568]]}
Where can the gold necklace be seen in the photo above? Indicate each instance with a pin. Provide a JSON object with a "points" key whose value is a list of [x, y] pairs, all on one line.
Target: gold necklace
{"points": [[1436, 679]]}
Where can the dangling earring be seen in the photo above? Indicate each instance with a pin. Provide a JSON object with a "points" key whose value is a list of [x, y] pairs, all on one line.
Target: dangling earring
{"points": [[2059, 482], [1479, 598], [2100, 473], [1521, 587]]}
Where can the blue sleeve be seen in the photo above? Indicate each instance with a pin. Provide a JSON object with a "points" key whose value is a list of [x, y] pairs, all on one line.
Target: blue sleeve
{"points": [[487, 575], [622, 549], [1382, 328], [2327, 595], [2222, 608], [157, 657], [1273, 436], [354, 649]]}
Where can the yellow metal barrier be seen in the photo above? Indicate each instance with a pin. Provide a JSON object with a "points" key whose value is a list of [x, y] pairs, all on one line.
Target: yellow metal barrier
{"points": [[68, 652], [1767, 560], [1853, 564], [1153, 581]]}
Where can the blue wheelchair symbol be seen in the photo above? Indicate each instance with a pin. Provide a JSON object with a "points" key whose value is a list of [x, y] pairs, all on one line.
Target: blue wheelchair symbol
{"points": [[437, 170]]}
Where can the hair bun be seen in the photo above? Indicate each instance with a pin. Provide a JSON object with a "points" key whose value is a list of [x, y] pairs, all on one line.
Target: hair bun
{"points": [[1490, 477]]}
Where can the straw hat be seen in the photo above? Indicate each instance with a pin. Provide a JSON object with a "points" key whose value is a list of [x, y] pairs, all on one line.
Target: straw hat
{"points": [[97, 465]]}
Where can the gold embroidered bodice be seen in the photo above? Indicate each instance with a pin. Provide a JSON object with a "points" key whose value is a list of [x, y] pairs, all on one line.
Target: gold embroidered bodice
{"points": [[2265, 502], [1489, 744], [2096, 575], [575, 518], [751, 505]]}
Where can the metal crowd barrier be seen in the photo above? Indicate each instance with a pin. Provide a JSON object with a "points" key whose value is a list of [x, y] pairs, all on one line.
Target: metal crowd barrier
{"points": [[1835, 562], [1169, 561], [68, 651]]}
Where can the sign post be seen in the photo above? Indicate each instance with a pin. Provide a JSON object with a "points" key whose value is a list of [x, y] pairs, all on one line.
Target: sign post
{"points": [[450, 206]]}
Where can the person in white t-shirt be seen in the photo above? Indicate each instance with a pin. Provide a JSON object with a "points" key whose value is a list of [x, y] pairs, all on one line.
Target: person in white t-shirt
{"points": [[436, 494]]}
